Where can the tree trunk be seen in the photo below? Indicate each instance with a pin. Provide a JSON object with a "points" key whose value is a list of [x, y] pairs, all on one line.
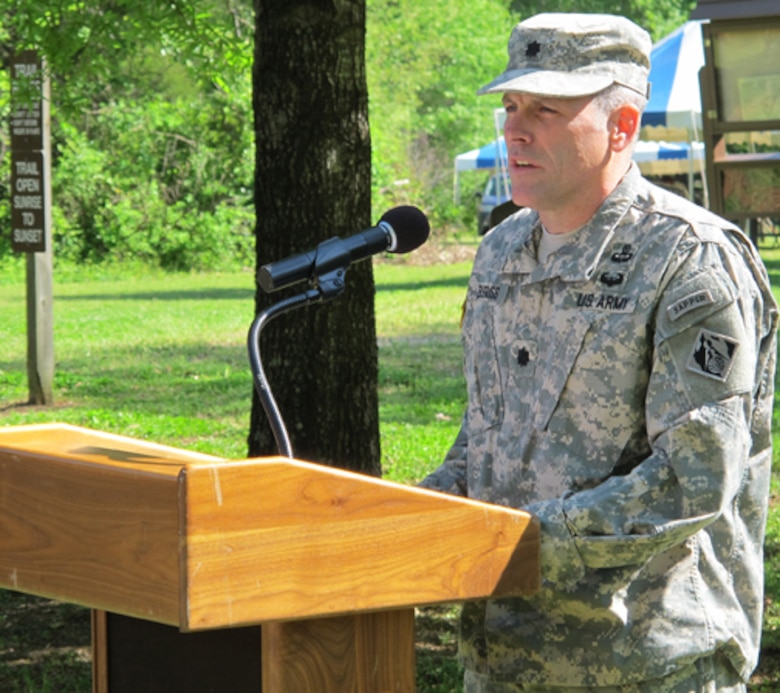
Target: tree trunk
{"points": [[313, 181]]}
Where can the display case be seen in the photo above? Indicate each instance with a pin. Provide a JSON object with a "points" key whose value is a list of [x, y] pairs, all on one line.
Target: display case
{"points": [[740, 85]]}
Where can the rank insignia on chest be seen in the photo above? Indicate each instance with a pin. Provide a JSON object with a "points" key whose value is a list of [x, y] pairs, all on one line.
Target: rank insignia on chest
{"points": [[524, 354]]}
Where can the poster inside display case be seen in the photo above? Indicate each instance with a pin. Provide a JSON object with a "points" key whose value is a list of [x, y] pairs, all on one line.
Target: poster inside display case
{"points": [[751, 191], [740, 85], [747, 72]]}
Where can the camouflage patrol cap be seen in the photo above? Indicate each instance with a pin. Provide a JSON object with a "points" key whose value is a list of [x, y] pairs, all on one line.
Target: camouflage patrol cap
{"points": [[568, 55]]}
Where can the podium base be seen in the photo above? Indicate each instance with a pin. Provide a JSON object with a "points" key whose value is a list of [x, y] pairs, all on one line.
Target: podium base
{"points": [[132, 655], [360, 653]]}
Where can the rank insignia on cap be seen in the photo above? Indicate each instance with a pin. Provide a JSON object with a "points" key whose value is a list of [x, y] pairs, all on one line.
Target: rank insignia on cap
{"points": [[712, 355], [533, 49]]}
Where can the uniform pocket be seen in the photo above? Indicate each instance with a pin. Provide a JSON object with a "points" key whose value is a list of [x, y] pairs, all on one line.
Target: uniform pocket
{"points": [[556, 367], [486, 401], [593, 394]]}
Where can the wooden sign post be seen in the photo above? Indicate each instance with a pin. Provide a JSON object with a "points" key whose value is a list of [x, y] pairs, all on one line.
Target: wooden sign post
{"points": [[31, 213]]}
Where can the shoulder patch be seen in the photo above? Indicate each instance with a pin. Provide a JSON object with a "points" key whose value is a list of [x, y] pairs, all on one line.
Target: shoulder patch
{"points": [[712, 355], [684, 305]]}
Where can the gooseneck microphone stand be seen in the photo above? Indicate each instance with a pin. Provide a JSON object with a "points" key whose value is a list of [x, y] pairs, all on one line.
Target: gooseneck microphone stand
{"points": [[324, 288]]}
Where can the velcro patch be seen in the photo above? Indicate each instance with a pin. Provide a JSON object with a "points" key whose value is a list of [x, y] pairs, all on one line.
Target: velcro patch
{"points": [[712, 355]]}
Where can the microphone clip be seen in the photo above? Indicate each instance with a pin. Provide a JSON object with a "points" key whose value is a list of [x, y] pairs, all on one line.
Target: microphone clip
{"points": [[331, 261]]}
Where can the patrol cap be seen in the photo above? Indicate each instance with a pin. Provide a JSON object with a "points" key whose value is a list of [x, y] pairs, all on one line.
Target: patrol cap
{"points": [[566, 55]]}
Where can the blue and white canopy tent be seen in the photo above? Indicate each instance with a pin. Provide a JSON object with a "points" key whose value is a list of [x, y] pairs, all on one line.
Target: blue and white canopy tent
{"points": [[674, 108], [490, 156], [675, 97]]}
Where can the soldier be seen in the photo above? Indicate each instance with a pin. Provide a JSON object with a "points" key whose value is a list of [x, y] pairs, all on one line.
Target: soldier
{"points": [[619, 356]]}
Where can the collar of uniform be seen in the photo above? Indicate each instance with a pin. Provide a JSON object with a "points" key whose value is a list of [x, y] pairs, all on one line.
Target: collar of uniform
{"points": [[577, 260]]}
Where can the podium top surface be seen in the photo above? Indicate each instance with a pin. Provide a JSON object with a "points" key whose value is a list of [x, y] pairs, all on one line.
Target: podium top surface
{"points": [[200, 542], [77, 444]]}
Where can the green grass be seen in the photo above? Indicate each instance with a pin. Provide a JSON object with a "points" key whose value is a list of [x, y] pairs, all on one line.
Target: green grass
{"points": [[163, 357], [156, 357], [767, 677], [421, 388]]}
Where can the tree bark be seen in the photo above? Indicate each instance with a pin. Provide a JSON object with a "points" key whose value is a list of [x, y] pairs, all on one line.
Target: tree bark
{"points": [[313, 181]]}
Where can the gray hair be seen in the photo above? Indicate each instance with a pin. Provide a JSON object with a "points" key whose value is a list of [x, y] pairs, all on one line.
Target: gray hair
{"points": [[616, 96]]}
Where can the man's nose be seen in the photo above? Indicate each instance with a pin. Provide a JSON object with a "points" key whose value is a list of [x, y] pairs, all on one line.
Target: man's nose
{"points": [[515, 130]]}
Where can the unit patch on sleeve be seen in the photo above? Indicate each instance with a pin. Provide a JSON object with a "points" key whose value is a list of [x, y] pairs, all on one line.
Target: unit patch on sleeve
{"points": [[712, 355]]}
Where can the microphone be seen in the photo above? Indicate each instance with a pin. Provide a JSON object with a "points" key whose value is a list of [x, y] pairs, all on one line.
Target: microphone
{"points": [[400, 230]]}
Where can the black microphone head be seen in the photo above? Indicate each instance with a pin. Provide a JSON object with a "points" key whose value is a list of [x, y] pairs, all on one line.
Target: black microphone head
{"points": [[410, 228]]}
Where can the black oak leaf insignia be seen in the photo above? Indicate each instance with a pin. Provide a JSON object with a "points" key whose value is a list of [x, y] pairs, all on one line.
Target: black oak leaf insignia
{"points": [[523, 357]]}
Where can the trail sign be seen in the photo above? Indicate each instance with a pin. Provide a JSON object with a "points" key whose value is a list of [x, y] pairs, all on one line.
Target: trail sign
{"points": [[27, 202], [27, 115], [28, 218], [31, 212]]}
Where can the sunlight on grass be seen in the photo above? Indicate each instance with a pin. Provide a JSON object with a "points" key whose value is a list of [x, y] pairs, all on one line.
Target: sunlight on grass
{"points": [[159, 357], [163, 357], [421, 387]]}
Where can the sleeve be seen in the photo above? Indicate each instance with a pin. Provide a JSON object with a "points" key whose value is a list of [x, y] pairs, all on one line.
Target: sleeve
{"points": [[715, 322], [450, 476]]}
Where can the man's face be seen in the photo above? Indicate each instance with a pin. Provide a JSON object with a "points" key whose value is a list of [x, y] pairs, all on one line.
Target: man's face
{"points": [[559, 155]]}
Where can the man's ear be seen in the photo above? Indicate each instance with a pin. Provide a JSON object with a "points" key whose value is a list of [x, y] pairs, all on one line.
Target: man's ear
{"points": [[623, 126]]}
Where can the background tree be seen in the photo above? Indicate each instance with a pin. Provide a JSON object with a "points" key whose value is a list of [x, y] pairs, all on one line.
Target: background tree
{"points": [[313, 181], [151, 128]]}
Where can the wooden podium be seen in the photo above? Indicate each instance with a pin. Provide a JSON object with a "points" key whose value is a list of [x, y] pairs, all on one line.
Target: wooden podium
{"points": [[186, 555]]}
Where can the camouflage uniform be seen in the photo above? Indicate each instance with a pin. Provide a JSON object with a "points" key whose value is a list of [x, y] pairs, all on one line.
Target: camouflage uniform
{"points": [[622, 392]]}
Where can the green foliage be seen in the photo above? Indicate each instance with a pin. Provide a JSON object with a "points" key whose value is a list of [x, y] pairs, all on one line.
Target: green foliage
{"points": [[153, 127], [659, 17], [87, 42], [425, 62], [166, 182]]}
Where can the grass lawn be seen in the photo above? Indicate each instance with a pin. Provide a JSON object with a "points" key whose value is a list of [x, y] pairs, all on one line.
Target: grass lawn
{"points": [[163, 357]]}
